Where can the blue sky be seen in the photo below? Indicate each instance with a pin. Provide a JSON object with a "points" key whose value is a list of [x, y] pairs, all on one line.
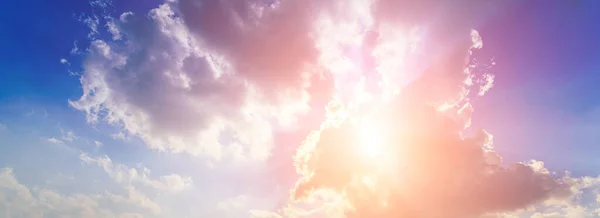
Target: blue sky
{"points": [[543, 106], [546, 75]]}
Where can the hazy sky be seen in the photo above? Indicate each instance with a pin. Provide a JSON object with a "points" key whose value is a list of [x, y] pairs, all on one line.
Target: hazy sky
{"points": [[195, 108]]}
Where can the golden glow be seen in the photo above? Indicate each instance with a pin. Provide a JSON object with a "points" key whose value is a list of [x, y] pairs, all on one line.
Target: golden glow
{"points": [[368, 182]]}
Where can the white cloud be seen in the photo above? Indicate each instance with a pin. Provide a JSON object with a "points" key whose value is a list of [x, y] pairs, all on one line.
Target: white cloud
{"points": [[161, 85], [324, 203], [98, 144], [112, 28], [75, 49], [102, 4], [68, 136], [488, 83], [119, 135], [219, 87], [55, 141], [476, 38], [128, 176], [583, 202], [92, 23], [123, 16], [65, 61], [19, 200], [135, 197]]}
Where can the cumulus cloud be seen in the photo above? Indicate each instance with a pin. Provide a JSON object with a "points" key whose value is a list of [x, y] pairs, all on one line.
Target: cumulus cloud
{"points": [[124, 175], [429, 164], [134, 197], [180, 92], [19, 200], [217, 78], [583, 202], [429, 168], [269, 43], [321, 203]]}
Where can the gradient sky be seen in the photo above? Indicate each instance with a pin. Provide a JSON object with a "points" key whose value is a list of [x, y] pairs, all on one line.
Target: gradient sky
{"points": [[543, 106]]}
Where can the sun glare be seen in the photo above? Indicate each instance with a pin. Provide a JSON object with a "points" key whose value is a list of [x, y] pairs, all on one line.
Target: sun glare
{"points": [[371, 141]]}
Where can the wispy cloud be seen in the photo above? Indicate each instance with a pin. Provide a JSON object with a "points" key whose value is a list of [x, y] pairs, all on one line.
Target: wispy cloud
{"points": [[98, 144], [75, 49], [55, 141], [65, 61], [125, 175], [40, 112], [92, 22], [68, 136]]}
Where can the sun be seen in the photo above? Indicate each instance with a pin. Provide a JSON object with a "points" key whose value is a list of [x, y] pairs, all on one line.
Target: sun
{"points": [[371, 140]]}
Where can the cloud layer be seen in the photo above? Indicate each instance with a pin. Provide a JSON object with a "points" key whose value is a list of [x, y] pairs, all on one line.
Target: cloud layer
{"points": [[180, 90], [430, 168], [218, 78], [18, 200]]}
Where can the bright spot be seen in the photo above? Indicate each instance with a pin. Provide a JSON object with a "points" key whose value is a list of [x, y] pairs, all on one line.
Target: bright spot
{"points": [[371, 141]]}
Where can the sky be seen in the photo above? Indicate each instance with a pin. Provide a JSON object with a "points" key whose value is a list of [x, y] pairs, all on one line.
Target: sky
{"points": [[196, 108]]}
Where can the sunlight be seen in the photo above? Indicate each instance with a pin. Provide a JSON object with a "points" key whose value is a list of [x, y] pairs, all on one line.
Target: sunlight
{"points": [[368, 182], [371, 141]]}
